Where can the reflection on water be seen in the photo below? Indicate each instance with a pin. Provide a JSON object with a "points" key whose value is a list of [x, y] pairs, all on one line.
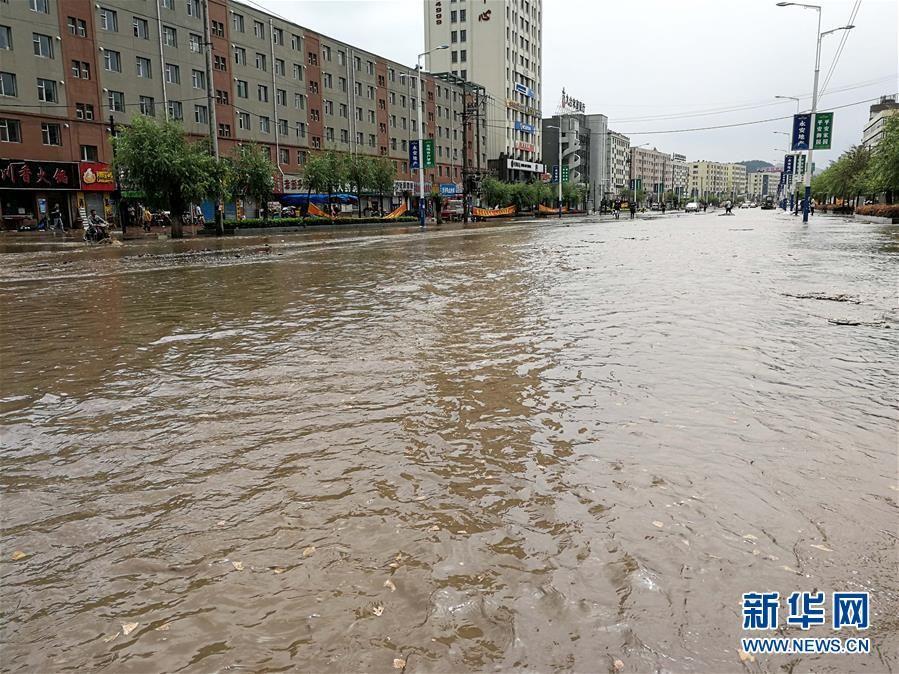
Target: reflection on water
{"points": [[538, 448]]}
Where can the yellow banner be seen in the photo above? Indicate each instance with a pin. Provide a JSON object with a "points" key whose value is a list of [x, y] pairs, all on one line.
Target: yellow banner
{"points": [[396, 212], [491, 213]]}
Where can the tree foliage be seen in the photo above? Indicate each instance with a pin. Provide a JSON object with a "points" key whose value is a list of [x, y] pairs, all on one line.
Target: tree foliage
{"points": [[249, 173]]}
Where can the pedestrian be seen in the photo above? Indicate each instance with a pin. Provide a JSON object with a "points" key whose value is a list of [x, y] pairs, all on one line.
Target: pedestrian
{"points": [[704, 206], [198, 214], [811, 207], [56, 221], [663, 208], [147, 218], [616, 208], [633, 209]]}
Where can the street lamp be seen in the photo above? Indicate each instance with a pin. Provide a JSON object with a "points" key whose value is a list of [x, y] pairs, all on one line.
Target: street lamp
{"points": [[793, 195], [421, 133], [808, 167]]}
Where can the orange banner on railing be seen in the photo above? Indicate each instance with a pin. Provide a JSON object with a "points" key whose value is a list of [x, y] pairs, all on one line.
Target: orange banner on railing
{"points": [[315, 210], [396, 212], [491, 213], [547, 209]]}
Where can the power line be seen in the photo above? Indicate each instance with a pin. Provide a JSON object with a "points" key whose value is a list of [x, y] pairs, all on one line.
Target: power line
{"points": [[735, 124], [843, 40]]}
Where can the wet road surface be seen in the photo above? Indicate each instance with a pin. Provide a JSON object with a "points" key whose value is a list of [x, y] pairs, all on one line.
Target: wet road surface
{"points": [[520, 448]]}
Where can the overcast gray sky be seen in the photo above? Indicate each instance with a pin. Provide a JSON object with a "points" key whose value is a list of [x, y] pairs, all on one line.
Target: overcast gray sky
{"points": [[672, 61]]}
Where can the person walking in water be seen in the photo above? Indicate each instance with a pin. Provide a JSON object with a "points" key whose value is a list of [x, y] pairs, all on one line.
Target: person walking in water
{"points": [[616, 208], [633, 209]]}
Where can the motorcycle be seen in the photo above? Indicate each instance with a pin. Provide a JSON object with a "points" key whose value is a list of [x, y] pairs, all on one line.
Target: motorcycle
{"points": [[96, 232]]}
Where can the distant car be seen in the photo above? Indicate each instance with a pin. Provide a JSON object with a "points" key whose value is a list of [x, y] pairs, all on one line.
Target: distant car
{"points": [[752, 204], [745, 204], [692, 207], [654, 207], [453, 209]]}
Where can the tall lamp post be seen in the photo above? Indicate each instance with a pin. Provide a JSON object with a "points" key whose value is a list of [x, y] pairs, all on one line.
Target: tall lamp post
{"points": [[794, 193], [559, 129], [808, 166], [421, 134]]}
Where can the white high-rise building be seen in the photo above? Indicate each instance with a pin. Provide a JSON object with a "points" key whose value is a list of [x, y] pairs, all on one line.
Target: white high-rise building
{"points": [[498, 45]]}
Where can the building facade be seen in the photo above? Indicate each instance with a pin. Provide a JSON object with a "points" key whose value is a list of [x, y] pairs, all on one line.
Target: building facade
{"points": [[583, 151], [498, 44], [874, 129], [654, 169], [735, 180], [762, 183], [679, 173], [618, 152], [70, 68], [711, 178]]}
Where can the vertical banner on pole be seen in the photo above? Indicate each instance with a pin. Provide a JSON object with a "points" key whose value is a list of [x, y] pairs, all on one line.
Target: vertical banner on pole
{"points": [[414, 157], [823, 128], [801, 131]]}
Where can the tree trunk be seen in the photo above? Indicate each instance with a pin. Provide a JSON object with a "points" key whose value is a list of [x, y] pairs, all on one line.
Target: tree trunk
{"points": [[359, 200], [175, 219]]}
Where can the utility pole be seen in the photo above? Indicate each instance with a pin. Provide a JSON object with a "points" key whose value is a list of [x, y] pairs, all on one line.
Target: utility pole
{"points": [[210, 104], [466, 165]]}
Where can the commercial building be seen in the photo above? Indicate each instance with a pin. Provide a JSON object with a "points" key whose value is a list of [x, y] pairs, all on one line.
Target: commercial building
{"points": [[762, 183], [498, 44], [711, 178], [68, 68], [679, 173], [618, 153], [874, 129], [583, 151], [653, 168]]}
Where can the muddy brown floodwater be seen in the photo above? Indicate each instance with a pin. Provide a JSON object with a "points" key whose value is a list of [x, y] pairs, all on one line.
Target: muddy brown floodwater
{"points": [[525, 448]]}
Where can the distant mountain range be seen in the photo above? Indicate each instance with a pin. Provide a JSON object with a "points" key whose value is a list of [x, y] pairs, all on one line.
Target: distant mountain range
{"points": [[756, 165]]}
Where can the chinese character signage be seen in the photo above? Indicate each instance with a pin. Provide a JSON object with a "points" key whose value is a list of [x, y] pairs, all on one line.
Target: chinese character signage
{"points": [[823, 127], [429, 152], [448, 189], [414, 157], [39, 175], [555, 174], [96, 177], [801, 132], [572, 104], [522, 126], [789, 163]]}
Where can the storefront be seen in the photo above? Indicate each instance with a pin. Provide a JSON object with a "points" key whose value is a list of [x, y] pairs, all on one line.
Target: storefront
{"points": [[97, 186], [31, 190]]}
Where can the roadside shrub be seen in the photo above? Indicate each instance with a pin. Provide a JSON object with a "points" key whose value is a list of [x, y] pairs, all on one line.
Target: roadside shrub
{"points": [[258, 223], [879, 210]]}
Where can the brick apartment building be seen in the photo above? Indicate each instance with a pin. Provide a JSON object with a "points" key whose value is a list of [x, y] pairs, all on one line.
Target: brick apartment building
{"points": [[69, 66]]}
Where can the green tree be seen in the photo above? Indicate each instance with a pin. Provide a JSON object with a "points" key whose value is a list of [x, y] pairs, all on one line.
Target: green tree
{"points": [[157, 159], [437, 201], [884, 169], [383, 176], [251, 175], [496, 193], [359, 169]]}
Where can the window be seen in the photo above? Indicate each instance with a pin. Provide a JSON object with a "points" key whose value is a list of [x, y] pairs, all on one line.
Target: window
{"points": [[284, 156], [176, 110], [170, 36], [218, 28], [463, 54], [371, 117], [262, 93], [81, 70], [316, 143], [371, 93], [77, 26], [195, 43], [462, 15], [462, 35], [357, 63], [172, 73], [143, 67], [301, 156], [299, 101], [225, 130], [237, 23], [198, 77], [243, 120], [277, 36], [260, 61], [46, 91], [221, 97], [341, 83], [360, 138], [147, 106], [341, 57], [116, 101], [357, 87], [168, 4], [279, 67], [112, 60], [220, 62], [295, 42], [240, 56], [109, 20], [344, 136], [313, 87], [193, 8], [454, 36], [201, 114], [281, 96], [10, 131], [43, 45], [264, 125], [297, 71], [329, 133], [313, 58], [84, 111], [50, 134], [371, 140], [344, 110], [358, 114], [454, 16], [141, 28], [5, 37], [301, 129], [328, 81], [314, 115], [243, 89], [42, 6], [454, 56], [259, 29], [328, 107]]}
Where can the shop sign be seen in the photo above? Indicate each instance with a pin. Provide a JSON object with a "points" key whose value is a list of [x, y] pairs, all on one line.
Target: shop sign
{"points": [[521, 145], [96, 177], [521, 89], [400, 186], [448, 189], [520, 165], [38, 175], [292, 184], [569, 103], [522, 126]]}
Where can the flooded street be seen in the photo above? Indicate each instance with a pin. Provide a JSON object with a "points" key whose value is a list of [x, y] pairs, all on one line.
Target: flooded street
{"points": [[529, 448]]}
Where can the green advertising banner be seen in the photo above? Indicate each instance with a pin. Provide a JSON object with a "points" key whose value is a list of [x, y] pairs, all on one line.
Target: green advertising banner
{"points": [[429, 153], [565, 174], [823, 128]]}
